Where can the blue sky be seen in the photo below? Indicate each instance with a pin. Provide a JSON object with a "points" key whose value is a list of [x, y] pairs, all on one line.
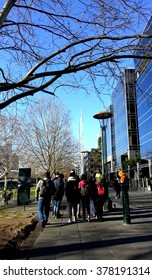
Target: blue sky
{"points": [[90, 105]]}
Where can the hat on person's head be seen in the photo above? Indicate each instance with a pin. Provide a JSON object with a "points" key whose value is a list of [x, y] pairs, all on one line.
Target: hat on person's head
{"points": [[84, 176], [98, 177], [47, 174], [61, 175], [121, 173], [72, 173]]}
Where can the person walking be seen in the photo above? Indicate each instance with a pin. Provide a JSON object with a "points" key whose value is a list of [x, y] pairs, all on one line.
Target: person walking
{"points": [[44, 190], [117, 187], [124, 182], [94, 192], [73, 196], [52, 199], [85, 192], [100, 198], [93, 195], [79, 204], [57, 197], [150, 183]]}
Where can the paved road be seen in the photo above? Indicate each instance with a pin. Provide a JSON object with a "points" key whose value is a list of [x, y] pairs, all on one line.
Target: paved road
{"points": [[107, 240]]}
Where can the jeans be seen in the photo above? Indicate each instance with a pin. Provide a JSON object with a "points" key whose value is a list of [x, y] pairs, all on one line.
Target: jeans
{"points": [[43, 209], [56, 207], [53, 207]]}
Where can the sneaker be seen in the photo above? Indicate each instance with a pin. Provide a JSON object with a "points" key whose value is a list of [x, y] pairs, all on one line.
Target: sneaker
{"points": [[74, 219], [69, 221], [88, 219]]}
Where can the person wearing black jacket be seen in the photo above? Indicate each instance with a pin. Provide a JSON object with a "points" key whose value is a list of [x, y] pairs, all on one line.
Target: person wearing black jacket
{"points": [[57, 197], [73, 196]]}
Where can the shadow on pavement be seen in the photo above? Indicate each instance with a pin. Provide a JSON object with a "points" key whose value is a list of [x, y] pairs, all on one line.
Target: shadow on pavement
{"points": [[50, 251]]}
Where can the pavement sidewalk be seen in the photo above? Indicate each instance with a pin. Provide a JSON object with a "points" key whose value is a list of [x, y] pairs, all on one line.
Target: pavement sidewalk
{"points": [[107, 240]]}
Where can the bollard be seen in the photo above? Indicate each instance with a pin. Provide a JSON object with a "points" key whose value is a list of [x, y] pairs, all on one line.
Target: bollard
{"points": [[126, 210]]}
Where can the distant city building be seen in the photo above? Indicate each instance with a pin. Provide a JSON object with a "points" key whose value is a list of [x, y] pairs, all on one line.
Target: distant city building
{"points": [[92, 159]]}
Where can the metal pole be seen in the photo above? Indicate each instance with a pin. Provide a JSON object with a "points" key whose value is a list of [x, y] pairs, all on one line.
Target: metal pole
{"points": [[104, 151], [150, 168], [126, 209]]}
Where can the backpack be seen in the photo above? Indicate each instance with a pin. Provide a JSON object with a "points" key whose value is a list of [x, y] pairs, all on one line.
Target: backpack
{"points": [[47, 188], [84, 190], [100, 189]]}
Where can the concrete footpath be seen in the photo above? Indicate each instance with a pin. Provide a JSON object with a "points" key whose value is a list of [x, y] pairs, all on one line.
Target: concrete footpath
{"points": [[106, 240]]}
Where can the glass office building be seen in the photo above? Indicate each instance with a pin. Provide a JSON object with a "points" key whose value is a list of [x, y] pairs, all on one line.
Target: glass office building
{"points": [[130, 130], [143, 69], [125, 123]]}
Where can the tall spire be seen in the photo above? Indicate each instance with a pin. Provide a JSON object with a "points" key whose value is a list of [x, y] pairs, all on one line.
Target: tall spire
{"points": [[81, 138], [81, 130]]}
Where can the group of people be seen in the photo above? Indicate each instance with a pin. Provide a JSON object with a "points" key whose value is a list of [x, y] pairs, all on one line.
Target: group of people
{"points": [[48, 190], [79, 193]]}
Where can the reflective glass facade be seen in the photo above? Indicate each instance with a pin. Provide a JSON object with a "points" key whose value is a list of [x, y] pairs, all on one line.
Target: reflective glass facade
{"points": [[144, 108], [125, 118], [143, 70]]}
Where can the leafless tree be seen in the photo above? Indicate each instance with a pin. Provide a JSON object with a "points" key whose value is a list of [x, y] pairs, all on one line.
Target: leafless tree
{"points": [[46, 138], [46, 45]]}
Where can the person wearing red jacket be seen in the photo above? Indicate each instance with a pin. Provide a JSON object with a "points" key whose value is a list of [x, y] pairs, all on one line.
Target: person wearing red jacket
{"points": [[85, 193]]}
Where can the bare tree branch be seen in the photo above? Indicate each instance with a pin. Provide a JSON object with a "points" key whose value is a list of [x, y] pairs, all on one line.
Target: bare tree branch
{"points": [[45, 42], [5, 11]]}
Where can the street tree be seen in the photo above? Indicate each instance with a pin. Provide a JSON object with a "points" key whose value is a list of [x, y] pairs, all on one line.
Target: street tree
{"points": [[46, 45], [46, 139], [8, 150]]}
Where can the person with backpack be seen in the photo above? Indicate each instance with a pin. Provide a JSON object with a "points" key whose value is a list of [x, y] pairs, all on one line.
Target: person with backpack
{"points": [[100, 198], [73, 196], [44, 190], [85, 192]]}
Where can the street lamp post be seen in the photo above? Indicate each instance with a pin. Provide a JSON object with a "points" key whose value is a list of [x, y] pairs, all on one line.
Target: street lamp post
{"points": [[102, 117]]}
